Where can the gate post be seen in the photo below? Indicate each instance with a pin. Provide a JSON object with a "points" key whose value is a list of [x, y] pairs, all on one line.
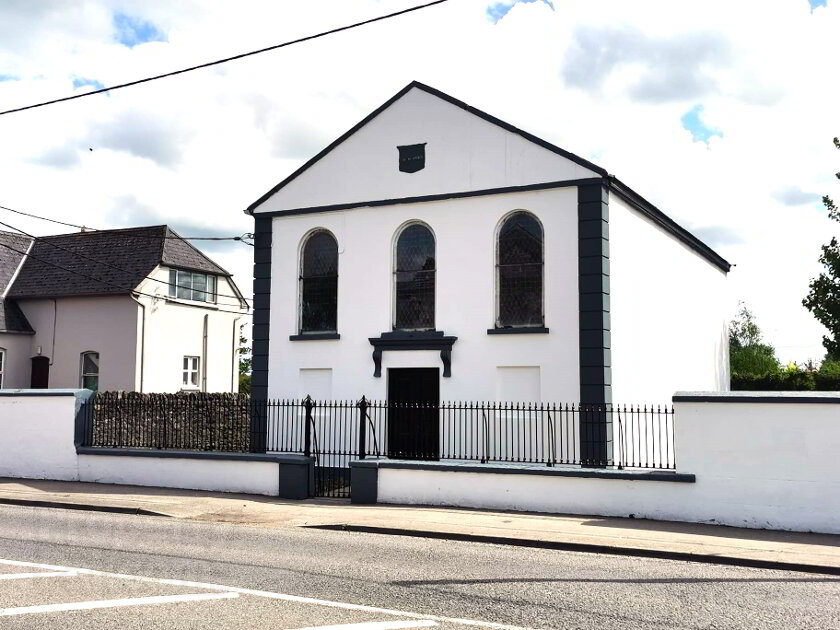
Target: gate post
{"points": [[363, 405], [307, 428]]}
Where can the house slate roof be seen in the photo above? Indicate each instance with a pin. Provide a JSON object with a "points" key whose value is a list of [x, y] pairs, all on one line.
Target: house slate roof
{"points": [[12, 319], [103, 262]]}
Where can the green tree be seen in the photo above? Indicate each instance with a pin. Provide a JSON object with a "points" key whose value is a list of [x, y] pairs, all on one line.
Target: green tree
{"points": [[245, 360], [823, 299], [748, 355]]}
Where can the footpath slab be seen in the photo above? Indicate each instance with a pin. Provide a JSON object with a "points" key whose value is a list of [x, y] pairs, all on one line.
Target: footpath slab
{"points": [[702, 542]]}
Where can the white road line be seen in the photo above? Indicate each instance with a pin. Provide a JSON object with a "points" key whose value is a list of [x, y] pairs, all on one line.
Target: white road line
{"points": [[21, 576], [114, 603], [376, 625], [271, 595]]}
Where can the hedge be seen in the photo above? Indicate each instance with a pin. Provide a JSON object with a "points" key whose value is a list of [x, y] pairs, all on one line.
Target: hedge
{"points": [[186, 421], [786, 381]]}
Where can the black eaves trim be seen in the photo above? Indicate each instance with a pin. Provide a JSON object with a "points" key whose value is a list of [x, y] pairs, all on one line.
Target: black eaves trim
{"points": [[314, 337], [564, 183], [656, 215], [517, 331], [449, 99]]}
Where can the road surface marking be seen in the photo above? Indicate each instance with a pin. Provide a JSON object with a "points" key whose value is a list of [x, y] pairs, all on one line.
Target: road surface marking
{"points": [[376, 625], [21, 576], [271, 595], [114, 603]]}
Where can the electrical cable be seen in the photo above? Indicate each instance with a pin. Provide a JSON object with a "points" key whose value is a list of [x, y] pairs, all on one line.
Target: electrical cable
{"points": [[176, 237], [226, 59]]}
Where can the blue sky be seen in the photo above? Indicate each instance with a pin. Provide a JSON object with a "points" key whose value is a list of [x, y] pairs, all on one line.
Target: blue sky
{"points": [[80, 81], [700, 132], [498, 10], [132, 31]]}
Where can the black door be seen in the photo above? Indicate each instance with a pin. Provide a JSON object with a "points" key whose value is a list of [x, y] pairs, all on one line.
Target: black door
{"points": [[40, 373], [413, 419]]}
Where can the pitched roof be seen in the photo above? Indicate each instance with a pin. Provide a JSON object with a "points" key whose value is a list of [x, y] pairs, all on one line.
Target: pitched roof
{"points": [[12, 249], [12, 319], [103, 262], [449, 99]]}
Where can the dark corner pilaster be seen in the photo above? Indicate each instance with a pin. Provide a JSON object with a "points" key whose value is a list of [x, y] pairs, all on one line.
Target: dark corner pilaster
{"points": [[259, 329], [594, 322]]}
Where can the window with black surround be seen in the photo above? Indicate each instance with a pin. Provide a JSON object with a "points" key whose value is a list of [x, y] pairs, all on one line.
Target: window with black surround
{"points": [[519, 272], [414, 279], [319, 284]]}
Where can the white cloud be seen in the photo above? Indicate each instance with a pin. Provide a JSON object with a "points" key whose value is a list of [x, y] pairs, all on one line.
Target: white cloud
{"points": [[608, 80]]}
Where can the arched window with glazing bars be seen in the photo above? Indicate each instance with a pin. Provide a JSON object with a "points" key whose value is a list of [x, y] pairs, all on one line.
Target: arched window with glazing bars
{"points": [[319, 284], [414, 279], [519, 272]]}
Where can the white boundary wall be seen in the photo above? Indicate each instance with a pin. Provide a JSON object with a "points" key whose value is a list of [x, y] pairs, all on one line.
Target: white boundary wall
{"points": [[218, 475], [763, 460], [37, 441]]}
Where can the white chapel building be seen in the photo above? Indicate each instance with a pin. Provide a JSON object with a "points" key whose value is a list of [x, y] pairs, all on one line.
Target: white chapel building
{"points": [[434, 252]]}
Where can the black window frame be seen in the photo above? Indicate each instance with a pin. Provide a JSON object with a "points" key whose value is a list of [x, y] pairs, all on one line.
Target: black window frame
{"points": [[503, 320], [306, 283], [401, 280]]}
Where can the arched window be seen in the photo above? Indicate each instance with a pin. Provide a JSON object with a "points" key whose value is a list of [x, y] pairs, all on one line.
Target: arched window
{"points": [[319, 283], [89, 377], [414, 279], [519, 272]]}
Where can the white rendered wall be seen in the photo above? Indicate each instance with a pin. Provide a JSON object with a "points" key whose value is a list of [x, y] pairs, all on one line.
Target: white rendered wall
{"points": [[668, 310], [16, 368], [67, 327], [761, 465], [193, 474], [36, 437], [175, 329], [465, 232], [463, 152]]}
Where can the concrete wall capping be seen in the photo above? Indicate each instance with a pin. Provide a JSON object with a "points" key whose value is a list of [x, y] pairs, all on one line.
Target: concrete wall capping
{"points": [[84, 393], [524, 469], [280, 458], [758, 397]]}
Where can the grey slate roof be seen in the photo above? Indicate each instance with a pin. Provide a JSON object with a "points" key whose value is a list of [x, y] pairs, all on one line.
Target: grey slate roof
{"points": [[61, 265], [11, 317]]}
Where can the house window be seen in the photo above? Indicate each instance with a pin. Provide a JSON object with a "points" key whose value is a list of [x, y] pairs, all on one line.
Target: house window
{"points": [[90, 371], [190, 373], [319, 283], [519, 272], [189, 285], [414, 279], [2, 366]]}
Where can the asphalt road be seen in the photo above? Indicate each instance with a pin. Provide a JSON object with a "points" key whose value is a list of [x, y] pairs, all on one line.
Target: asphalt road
{"points": [[68, 569]]}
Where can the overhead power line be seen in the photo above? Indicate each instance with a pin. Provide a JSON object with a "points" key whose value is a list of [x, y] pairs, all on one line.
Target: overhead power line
{"points": [[241, 238], [108, 282], [120, 269], [226, 59]]}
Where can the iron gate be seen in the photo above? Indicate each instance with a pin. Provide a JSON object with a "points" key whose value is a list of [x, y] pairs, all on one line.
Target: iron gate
{"points": [[337, 432]]}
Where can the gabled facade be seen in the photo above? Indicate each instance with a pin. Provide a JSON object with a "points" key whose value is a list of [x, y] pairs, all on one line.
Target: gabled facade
{"points": [[436, 252], [136, 309]]}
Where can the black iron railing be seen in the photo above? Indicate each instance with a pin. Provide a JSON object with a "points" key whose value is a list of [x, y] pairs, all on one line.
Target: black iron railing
{"points": [[337, 431]]}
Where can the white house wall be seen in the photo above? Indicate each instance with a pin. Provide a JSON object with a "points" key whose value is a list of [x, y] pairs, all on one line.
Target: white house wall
{"points": [[465, 232], [668, 313], [175, 329], [16, 348], [463, 152], [67, 327]]}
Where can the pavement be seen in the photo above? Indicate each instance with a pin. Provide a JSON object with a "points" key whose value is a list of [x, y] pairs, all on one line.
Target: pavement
{"points": [[819, 553]]}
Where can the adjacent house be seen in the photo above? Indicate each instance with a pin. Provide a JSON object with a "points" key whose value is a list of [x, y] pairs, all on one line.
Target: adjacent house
{"points": [[434, 252], [136, 309]]}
